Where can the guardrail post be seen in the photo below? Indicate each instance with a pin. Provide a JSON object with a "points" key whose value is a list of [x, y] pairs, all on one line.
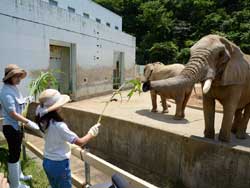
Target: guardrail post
{"points": [[23, 145], [24, 152], [87, 171]]}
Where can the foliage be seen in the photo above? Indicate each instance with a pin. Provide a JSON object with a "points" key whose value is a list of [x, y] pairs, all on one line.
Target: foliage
{"points": [[44, 81], [29, 166], [136, 87], [166, 50], [165, 29]]}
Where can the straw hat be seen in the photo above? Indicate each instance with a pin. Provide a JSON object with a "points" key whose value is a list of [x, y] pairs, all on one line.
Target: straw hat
{"points": [[11, 70], [51, 99]]}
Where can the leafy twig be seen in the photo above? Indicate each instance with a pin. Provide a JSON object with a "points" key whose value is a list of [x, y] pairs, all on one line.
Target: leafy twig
{"points": [[43, 81], [136, 88]]}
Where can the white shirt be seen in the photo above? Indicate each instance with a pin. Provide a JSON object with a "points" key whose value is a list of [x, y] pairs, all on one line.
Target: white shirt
{"points": [[57, 139]]}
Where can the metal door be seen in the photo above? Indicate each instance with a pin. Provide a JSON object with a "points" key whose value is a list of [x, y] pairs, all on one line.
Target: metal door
{"points": [[117, 69], [60, 65]]}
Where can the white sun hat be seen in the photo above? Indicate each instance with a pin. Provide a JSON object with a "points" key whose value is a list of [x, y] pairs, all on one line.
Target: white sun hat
{"points": [[51, 100]]}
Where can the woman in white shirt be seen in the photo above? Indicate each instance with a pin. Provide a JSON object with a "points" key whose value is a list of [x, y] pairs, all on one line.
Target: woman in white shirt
{"points": [[57, 136]]}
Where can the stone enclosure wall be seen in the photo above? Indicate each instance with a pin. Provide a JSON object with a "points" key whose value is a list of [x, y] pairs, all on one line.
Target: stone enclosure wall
{"points": [[158, 156]]}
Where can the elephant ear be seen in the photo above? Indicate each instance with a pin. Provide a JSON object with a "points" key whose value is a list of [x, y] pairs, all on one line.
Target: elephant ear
{"points": [[149, 68], [237, 67]]}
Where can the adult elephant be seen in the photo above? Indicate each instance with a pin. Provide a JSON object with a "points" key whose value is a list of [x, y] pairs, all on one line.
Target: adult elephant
{"points": [[224, 71], [159, 71]]}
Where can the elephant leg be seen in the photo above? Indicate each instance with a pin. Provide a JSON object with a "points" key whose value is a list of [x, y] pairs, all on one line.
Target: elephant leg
{"points": [[178, 113], [185, 103], [230, 102], [164, 104], [154, 101], [226, 126], [229, 109], [209, 113], [237, 120], [241, 131]]}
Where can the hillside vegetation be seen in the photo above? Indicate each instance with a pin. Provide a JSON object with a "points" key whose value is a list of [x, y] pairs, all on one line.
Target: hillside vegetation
{"points": [[165, 29]]}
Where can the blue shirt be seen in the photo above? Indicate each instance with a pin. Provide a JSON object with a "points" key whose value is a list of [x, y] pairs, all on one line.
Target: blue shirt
{"points": [[11, 100]]}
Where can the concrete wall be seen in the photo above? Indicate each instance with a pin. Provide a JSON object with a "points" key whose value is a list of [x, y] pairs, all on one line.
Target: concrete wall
{"points": [[28, 27], [159, 156], [94, 10]]}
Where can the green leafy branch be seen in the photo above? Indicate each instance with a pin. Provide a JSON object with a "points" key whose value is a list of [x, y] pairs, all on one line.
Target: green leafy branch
{"points": [[44, 81], [136, 87]]}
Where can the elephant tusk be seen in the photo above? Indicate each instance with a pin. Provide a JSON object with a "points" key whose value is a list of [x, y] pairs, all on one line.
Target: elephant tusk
{"points": [[207, 85]]}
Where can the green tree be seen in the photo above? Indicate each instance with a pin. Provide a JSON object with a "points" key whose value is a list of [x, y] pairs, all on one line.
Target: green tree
{"points": [[166, 29]]}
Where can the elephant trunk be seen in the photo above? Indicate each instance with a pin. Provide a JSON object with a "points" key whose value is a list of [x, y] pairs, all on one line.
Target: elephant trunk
{"points": [[168, 85], [196, 70]]}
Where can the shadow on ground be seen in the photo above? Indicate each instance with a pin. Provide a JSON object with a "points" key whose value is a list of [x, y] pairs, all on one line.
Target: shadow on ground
{"points": [[161, 117], [234, 141]]}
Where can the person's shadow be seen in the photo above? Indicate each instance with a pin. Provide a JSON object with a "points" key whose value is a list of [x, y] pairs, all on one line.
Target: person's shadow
{"points": [[161, 117]]}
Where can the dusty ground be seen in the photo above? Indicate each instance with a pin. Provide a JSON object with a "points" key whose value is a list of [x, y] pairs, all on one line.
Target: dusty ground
{"points": [[196, 99]]}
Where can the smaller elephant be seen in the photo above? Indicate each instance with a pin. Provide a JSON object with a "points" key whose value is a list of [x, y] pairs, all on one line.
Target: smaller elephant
{"points": [[159, 71]]}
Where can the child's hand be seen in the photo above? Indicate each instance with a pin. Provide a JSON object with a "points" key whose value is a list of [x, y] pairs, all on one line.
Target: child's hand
{"points": [[41, 111], [94, 130]]}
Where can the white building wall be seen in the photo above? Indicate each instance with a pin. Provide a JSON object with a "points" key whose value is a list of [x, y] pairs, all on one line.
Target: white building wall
{"points": [[93, 9], [28, 26]]}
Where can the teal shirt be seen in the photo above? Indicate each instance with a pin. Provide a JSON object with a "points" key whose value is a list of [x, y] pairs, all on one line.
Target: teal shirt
{"points": [[11, 100]]}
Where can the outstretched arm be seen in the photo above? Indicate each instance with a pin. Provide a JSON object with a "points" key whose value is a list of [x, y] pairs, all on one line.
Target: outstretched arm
{"points": [[83, 140], [93, 132]]}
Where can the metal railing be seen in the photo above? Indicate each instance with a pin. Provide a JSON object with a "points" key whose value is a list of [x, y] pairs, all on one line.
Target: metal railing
{"points": [[90, 159]]}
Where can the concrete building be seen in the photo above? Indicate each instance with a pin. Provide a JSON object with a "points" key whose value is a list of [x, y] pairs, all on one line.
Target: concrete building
{"points": [[79, 37]]}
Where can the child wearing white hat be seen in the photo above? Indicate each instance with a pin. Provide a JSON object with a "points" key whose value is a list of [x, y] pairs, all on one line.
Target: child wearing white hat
{"points": [[57, 136]]}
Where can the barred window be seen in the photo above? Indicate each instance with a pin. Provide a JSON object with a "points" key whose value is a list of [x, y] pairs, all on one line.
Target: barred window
{"points": [[98, 20], [71, 10], [108, 24], [86, 15], [53, 2]]}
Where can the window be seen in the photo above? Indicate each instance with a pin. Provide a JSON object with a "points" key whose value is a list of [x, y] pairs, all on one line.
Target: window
{"points": [[116, 27], [86, 15], [53, 2], [108, 24], [71, 10], [98, 20]]}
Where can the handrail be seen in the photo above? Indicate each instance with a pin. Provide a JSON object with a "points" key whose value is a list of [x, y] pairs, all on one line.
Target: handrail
{"points": [[98, 163], [75, 180], [108, 168]]}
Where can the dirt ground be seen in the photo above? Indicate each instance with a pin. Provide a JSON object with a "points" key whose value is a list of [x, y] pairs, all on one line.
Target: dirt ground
{"points": [[196, 99]]}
